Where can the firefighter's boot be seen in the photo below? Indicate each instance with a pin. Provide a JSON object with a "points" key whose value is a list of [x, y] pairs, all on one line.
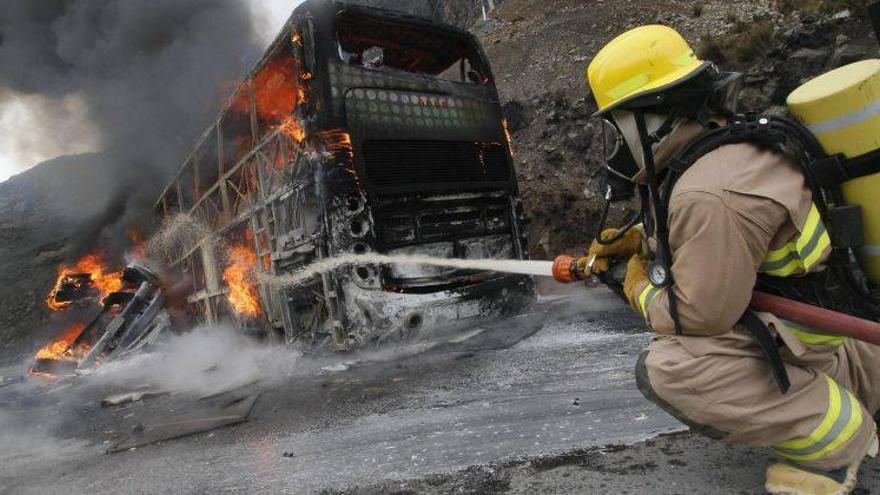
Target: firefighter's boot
{"points": [[793, 479]]}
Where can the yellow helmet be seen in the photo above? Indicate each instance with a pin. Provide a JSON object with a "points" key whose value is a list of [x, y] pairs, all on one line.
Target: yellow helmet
{"points": [[641, 62]]}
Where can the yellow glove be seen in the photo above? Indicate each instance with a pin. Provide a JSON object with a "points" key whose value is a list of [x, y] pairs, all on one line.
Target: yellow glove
{"points": [[601, 255], [636, 280]]}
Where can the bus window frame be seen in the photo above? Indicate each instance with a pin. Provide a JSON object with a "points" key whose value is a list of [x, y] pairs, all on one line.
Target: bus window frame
{"points": [[310, 60], [473, 52]]}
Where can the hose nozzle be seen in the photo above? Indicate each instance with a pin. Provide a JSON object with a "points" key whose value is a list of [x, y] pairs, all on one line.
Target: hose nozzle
{"points": [[565, 269]]}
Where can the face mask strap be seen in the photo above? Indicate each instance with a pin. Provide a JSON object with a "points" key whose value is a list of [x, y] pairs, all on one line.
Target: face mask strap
{"points": [[618, 174], [664, 130], [662, 263]]}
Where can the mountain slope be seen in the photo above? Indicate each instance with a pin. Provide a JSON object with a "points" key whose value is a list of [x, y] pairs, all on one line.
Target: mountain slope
{"points": [[540, 52]]}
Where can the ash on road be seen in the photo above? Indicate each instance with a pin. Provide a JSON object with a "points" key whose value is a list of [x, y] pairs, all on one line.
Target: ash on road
{"points": [[543, 401]]}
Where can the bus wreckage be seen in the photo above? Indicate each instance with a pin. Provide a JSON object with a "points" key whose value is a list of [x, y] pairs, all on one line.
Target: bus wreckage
{"points": [[128, 318], [360, 131]]}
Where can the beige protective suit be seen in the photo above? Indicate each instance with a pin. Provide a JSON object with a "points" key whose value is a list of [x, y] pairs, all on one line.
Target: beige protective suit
{"points": [[737, 211]]}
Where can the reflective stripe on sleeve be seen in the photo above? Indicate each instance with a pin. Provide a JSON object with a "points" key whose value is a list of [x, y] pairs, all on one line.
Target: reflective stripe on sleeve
{"points": [[782, 262], [803, 253], [813, 241], [646, 297], [842, 420]]}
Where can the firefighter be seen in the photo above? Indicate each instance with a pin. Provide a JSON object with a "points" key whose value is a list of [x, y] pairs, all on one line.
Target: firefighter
{"points": [[736, 214]]}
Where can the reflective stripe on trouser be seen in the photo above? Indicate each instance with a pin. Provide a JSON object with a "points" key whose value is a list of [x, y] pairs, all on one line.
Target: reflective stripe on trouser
{"points": [[813, 336], [722, 384], [842, 419], [801, 254]]}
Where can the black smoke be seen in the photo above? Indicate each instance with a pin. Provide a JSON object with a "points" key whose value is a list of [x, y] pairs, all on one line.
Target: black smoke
{"points": [[151, 73], [149, 76]]}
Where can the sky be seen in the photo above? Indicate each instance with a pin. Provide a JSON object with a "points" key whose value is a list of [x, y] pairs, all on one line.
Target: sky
{"points": [[22, 118]]}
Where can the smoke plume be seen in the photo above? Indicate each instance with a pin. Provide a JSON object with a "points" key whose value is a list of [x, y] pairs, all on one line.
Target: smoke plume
{"points": [[150, 72], [147, 75]]}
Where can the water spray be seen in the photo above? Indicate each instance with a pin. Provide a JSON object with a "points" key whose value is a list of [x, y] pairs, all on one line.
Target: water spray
{"points": [[521, 267]]}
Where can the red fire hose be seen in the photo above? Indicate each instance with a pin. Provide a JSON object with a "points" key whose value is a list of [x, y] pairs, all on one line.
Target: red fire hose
{"points": [[828, 321], [565, 270]]}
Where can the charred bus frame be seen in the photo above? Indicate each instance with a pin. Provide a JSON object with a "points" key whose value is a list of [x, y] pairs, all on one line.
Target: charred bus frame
{"points": [[361, 130]]}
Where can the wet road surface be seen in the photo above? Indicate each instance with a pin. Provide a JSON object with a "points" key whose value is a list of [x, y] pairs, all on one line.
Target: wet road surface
{"points": [[521, 406]]}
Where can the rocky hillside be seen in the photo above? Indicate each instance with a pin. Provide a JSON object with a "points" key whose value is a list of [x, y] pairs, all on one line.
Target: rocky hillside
{"points": [[540, 52], [464, 13]]}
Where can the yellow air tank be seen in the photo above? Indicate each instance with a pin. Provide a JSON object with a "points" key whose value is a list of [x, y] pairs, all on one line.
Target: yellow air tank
{"points": [[842, 108]]}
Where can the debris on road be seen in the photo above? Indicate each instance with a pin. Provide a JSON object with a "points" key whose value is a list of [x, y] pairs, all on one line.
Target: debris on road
{"points": [[174, 425], [127, 397]]}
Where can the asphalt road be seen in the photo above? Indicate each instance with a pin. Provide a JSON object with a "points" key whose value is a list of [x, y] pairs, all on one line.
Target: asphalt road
{"points": [[543, 402]]}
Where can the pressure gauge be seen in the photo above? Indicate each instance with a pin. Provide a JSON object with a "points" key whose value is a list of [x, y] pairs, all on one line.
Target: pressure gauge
{"points": [[658, 274]]}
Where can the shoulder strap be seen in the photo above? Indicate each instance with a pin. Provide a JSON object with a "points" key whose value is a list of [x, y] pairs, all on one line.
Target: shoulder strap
{"points": [[778, 134]]}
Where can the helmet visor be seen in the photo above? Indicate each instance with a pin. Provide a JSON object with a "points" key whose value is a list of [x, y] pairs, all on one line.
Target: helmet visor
{"points": [[612, 140]]}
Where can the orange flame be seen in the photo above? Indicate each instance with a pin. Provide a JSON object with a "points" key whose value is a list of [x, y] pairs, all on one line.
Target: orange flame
{"points": [[93, 265], [337, 141], [138, 246], [294, 129], [242, 295], [61, 349], [277, 92], [508, 136]]}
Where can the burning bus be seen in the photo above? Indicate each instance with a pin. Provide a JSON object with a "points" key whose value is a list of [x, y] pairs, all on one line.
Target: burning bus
{"points": [[360, 131]]}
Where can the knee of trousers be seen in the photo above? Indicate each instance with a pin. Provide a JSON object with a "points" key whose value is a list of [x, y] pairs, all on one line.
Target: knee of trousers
{"points": [[846, 432], [643, 382]]}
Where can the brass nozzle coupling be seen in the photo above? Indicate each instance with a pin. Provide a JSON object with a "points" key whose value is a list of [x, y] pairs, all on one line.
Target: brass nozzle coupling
{"points": [[565, 269]]}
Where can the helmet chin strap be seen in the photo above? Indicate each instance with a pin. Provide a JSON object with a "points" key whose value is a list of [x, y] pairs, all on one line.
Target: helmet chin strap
{"points": [[665, 129], [658, 127], [661, 268]]}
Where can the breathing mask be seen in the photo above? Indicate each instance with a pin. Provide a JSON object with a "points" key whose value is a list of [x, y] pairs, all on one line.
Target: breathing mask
{"points": [[622, 145], [620, 165]]}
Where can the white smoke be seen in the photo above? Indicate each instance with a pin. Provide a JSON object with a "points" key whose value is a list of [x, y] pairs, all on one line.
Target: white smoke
{"points": [[205, 361], [270, 15], [67, 122], [25, 444]]}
